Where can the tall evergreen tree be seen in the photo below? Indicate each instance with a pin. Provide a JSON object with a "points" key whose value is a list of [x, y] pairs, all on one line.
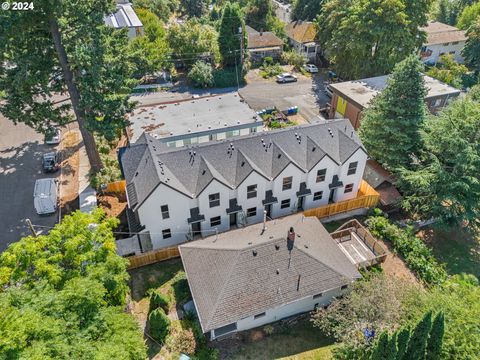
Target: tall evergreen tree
{"points": [[232, 29], [390, 126], [471, 51], [435, 340], [380, 350], [403, 336], [306, 9], [418, 340], [392, 346], [63, 46]]}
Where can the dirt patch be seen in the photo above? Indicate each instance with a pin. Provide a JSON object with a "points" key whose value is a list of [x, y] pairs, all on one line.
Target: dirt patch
{"points": [[114, 204], [69, 161], [395, 266]]}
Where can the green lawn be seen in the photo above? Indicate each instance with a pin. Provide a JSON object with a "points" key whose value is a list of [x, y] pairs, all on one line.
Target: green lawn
{"points": [[300, 341], [457, 248]]}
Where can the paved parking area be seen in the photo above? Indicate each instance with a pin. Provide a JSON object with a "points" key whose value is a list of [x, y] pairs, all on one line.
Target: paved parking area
{"points": [[21, 150]]}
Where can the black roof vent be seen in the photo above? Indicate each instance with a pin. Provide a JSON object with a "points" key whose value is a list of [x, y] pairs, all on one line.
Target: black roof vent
{"points": [[278, 271], [254, 252], [203, 172], [279, 156], [243, 163]]}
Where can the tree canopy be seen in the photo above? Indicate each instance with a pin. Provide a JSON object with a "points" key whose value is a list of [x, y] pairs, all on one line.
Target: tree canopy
{"points": [[306, 9], [471, 51], [232, 29], [162, 8], [62, 295], [194, 8], [368, 37], [390, 127], [449, 71], [63, 47], [469, 15]]}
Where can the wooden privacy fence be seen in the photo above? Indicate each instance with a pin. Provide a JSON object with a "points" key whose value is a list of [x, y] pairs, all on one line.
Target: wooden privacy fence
{"points": [[117, 186], [151, 257], [367, 197]]}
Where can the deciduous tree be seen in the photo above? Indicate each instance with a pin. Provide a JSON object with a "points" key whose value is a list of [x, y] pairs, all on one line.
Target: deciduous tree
{"points": [[390, 127], [469, 16], [306, 10], [471, 51], [368, 37]]}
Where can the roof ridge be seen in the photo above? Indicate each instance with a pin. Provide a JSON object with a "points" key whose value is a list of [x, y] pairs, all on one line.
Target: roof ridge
{"points": [[220, 293]]}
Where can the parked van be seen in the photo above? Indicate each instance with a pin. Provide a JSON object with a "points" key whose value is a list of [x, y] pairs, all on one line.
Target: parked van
{"points": [[45, 196]]}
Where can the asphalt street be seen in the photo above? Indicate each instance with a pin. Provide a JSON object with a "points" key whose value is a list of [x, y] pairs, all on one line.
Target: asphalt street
{"points": [[21, 150]]}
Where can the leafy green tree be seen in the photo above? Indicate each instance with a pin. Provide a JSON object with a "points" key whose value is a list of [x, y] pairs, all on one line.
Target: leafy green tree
{"points": [[162, 8], [257, 13], [469, 15], [74, 247], [201, 74], [194, 8], [445, 184], [448, 11], [435, 340], [193, 41], [403, 336], [232, 29], [152, 48], [390, 127], [294, 58], [63, 47], [449, 71], [368, 37], [60, 294], [474, 93], [471, 51], [306, 9], [158, 325], [418, 339]]}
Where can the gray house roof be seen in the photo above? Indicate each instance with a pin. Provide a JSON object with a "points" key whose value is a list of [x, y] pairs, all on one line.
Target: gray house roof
{"points": [[190, 170], [247, 271], [124, 17]]}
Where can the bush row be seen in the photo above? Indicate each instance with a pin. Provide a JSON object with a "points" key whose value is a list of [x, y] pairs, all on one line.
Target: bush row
{"points": [[417, 255]]}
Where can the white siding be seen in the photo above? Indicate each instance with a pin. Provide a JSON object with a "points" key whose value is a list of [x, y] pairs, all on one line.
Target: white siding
{"points": [[253, 179], [354, 179], [437, 49], [332, 169], [297, 177], [150, 216], [221, 210], [297, 307]]}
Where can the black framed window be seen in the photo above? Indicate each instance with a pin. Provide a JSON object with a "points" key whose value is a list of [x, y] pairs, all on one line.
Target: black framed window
{"points": [[287, 183], [165, 213], [167, 233], [348, 188], [352, 168], [321, 175], [251, 191], [285, 204], [214, 199], [251, 212], [317, 195], [215, 221]]}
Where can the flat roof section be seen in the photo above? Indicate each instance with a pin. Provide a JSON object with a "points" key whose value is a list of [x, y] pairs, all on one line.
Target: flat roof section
{"points": [[192, 116], [364, 90]]}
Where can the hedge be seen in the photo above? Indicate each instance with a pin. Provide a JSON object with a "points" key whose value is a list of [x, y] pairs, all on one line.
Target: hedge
{"points": [[417, 255]]}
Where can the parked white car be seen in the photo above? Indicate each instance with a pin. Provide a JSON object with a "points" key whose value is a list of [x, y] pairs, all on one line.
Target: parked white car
{"points": [[45, 196], [53, 136], [311, 68]]}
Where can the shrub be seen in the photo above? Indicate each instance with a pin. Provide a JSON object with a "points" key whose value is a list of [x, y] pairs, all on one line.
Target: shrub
{"points": [[159, 300], [158, 325], [181, 290], [201, 75], [268, 60], [207, 353], [227, 77], [182, 342], [268, 329], [269, 70], [293, 58], [417, 255]]}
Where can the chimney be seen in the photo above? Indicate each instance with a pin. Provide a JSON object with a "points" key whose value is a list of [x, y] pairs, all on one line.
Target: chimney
{"points": [[290, 239]]}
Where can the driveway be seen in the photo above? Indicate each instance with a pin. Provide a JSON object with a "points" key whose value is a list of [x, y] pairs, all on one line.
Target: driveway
{"points": [[21, 150]]}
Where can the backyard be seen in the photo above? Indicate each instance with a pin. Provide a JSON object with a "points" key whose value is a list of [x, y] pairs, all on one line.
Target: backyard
{"points": [[296, 339]]}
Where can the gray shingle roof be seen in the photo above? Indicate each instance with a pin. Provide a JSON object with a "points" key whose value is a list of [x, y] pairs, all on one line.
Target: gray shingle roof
{"points": [[190, 169], [229, 283]]}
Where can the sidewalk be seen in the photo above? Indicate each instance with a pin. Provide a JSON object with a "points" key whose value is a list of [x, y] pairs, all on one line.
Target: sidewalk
{"points": [[86, 194]]}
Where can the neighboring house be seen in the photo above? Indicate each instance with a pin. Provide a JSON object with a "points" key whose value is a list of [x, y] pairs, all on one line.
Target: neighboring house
{"points": [[254, 276], [177, 194], [441, 40], [382, 181], [350, 98], [282, 11], [196, 120], [302, 36], [262, 44], [125, 17]]}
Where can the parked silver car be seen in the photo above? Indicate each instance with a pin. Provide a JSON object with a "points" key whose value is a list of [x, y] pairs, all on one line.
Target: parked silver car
{"points": [[286, 77], [311, 68], [53, 136]]}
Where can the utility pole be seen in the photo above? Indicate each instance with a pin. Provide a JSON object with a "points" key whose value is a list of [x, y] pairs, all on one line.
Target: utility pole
{"points": [[29, 223]]}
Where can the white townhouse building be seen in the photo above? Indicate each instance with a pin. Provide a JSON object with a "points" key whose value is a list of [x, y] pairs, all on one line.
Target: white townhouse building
{"points": [[125, 17], [179, 194]]}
